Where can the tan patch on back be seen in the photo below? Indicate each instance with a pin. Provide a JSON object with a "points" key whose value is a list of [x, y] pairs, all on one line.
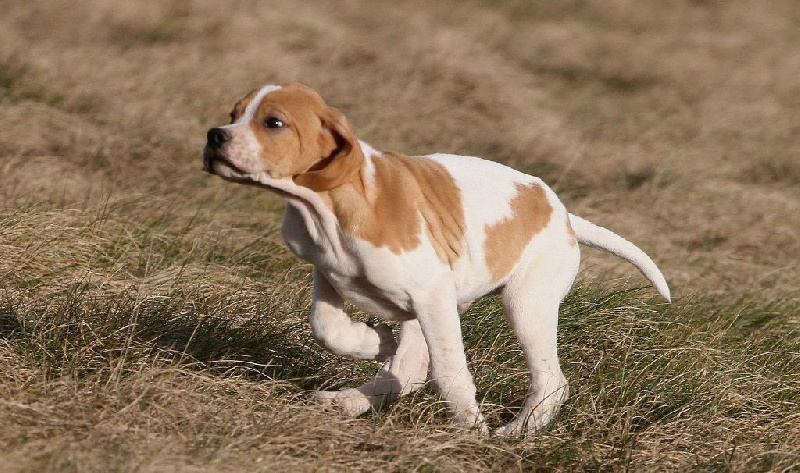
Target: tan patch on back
{"points": [[506, 239], [407, 191]]}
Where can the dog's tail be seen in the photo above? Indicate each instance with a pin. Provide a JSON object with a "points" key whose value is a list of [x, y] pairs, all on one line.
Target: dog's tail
{"points": [[604, 239]]}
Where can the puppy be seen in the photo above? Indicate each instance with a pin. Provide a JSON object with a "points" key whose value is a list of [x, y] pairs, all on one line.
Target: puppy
{"points": [[413, 240]]}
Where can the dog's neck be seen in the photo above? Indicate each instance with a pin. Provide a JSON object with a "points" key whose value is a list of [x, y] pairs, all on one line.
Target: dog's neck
{"points": [[324, 212], [351, 202]]}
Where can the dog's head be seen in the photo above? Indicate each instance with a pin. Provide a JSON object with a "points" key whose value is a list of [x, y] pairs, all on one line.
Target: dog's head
{"points": [[284, 132]]}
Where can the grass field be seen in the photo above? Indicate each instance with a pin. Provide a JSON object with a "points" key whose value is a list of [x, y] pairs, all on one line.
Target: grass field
{"points": [[152, 320]]}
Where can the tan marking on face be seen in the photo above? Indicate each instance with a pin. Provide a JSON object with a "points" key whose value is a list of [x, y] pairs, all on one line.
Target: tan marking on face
{"points": [[506, 239], [407, 192], [308, 147], [292, 149]]}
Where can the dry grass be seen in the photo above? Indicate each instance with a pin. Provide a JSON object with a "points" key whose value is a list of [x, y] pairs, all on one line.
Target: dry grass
{"points": [[151, 320]]}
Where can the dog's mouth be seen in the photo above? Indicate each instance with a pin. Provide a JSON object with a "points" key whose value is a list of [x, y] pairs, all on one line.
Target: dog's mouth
{"points": [[213, 158]]}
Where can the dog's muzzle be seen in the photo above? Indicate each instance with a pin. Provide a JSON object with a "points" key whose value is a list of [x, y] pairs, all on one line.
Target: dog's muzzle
{"points": [[215, 140], [217, 137]]}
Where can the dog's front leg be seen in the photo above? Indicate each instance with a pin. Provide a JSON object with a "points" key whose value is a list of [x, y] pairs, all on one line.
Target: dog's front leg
{"points": [[333, 329], [405, 372], [438, 317]]}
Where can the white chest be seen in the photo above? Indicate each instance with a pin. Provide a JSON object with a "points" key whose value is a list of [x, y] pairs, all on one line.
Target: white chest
{"points": [[371, 278]]}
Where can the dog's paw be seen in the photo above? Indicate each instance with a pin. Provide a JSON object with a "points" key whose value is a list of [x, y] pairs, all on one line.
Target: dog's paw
{"points": [[471, 422], [512, 429], [481, 429], [520, 427], [350, 402]]}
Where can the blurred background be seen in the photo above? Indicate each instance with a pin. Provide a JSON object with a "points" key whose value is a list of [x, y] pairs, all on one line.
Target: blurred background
{"points": [[674, 123]]}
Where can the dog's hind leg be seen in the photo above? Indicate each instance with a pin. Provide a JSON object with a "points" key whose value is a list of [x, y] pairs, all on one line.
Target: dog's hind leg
{"points": [[438, 317], [405, 372], [333, 329], [532, 298]]}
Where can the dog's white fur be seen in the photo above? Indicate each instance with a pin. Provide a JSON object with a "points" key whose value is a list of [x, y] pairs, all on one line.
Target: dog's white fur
{"points": [[414, 286]]}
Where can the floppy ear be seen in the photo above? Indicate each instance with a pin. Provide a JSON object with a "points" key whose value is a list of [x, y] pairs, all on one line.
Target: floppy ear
{"points": [[339, 166]]}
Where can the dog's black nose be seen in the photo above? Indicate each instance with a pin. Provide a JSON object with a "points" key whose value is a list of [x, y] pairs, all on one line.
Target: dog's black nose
{"points": [[217, 137]]}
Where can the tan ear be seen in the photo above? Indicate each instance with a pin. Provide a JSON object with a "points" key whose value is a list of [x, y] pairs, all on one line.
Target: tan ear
{"points": [[339, 166]]}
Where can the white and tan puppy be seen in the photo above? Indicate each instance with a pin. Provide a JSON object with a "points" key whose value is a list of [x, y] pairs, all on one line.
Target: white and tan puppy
{"points": [[413, 240]]}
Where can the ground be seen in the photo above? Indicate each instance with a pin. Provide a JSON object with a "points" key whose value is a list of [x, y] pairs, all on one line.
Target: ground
{"points": [[151, 320]]}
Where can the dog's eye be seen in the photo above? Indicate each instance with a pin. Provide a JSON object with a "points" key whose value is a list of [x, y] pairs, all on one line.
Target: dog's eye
{"points": [[274, 122]]}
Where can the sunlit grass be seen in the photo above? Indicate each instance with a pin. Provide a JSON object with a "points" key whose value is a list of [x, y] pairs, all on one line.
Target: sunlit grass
{"points": [[211, 356]]}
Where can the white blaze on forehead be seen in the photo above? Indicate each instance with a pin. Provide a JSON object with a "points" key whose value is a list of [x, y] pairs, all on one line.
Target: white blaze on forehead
{"points": [[253, 105], [250, 111]]}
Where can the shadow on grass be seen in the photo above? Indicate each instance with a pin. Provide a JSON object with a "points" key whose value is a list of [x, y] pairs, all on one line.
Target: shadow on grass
{"points": [[9, 323], [256, 339], [252, 348], [80, 333]]}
